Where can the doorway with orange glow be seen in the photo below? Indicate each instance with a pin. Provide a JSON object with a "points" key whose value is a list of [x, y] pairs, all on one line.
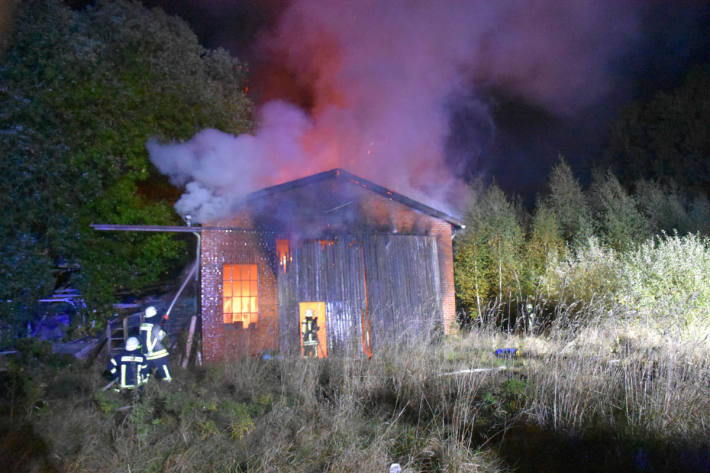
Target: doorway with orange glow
{"points": [[313, 329]]}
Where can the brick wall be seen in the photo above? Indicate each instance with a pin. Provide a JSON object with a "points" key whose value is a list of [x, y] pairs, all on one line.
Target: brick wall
{"points": [[442, 232], [225, 341]]}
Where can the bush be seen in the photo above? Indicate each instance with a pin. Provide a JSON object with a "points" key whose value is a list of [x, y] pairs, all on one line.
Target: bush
{"points": [[665, 281], [586, 274]]}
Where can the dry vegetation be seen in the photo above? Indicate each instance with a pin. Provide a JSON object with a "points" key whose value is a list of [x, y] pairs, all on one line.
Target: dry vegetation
{"points": [[416, 406]]}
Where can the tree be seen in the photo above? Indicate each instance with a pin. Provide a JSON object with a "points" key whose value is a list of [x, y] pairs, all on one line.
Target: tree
{"points": [[700, 214], [665, 138], [487, 260], [80, 94], [545, 245], [567, 202], [664, 207], [620, 224]]}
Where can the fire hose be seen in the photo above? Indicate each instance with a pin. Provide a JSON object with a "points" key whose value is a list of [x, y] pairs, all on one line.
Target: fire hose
{"points": [[177, 295]]}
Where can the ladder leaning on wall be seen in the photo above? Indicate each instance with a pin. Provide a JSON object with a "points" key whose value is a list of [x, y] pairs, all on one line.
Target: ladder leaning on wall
{"points": [[119, 329]]}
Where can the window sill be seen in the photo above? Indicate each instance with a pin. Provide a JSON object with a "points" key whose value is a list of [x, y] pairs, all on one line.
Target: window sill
{"points": [[240, 326]]}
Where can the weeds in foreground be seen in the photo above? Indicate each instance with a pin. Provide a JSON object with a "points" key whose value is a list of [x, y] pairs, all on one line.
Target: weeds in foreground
{"points": [[618, 374], [280, 415], [429, 408]]}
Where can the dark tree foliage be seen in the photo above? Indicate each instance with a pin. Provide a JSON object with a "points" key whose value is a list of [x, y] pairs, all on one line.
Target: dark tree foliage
{"points": [[619, 224], [568, 204], [80, 94], [666, 138]]}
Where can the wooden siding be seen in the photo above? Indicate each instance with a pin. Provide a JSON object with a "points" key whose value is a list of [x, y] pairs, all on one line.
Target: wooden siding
{"points": [[393, 279]]}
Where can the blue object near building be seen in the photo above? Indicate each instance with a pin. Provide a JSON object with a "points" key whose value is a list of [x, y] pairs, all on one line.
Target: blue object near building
{"points": [[55, 314]]}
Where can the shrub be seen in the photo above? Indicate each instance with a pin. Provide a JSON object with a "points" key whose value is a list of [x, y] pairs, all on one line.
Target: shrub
{"points": [[665, 281], [589, 273]]}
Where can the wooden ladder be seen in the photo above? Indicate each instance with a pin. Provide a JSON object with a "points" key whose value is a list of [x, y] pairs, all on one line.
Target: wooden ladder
{"points": [[118, 331]]}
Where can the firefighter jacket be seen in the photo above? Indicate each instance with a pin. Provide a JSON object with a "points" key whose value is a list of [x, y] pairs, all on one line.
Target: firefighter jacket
{"points": [[152, 341], [130, 369]]}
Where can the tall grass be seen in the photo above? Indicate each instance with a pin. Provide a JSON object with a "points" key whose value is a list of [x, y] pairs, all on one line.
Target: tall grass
{"points": [[423, 407], [633, 355], [620, 375], [298, 415]]}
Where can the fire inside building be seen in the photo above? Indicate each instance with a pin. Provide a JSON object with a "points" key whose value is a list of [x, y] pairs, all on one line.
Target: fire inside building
{"points": [[327, 264]]}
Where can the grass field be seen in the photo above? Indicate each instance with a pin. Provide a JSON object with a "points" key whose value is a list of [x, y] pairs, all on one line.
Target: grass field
{"points": [[607, 397]]}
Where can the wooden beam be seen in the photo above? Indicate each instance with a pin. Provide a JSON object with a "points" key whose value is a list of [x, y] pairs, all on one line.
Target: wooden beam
{"points": [[188, 345], [107, 227], [110, 227]]}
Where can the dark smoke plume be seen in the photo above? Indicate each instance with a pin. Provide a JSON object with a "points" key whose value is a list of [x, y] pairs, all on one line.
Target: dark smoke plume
{"points": [[382, 75]]}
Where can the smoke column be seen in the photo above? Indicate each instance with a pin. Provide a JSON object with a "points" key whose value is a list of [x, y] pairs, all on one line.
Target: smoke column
{"points": [[381, 74]]}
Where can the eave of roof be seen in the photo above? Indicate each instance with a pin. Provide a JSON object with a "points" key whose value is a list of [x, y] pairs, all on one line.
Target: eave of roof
{"points": [[339, 173], [110, 227]]}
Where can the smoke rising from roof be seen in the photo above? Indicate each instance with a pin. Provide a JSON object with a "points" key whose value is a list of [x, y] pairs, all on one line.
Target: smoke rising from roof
{"points": [[217, 168], [382, 75]]}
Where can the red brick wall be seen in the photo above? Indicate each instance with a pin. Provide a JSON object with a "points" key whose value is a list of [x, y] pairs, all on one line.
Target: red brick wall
{"points": [[442, 231], [225, 341]]}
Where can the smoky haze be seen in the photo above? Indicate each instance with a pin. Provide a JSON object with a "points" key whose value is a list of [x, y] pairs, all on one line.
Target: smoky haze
{"points": [[383, 77]]}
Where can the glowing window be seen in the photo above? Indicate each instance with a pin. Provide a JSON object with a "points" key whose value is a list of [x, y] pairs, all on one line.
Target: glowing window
{"points": [[240, 294]]}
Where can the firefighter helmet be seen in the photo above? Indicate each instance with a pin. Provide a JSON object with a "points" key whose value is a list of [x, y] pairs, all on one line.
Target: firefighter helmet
{"points": [[132, 344], [150, 312]]}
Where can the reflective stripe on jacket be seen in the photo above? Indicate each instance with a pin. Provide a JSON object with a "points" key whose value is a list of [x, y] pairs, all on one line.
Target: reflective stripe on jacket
{"points": [[151, 341], [130, 369], [112, 367]]}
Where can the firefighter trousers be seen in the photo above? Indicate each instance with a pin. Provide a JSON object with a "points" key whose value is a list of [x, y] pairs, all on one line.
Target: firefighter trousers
{"points": [[159, 366]]}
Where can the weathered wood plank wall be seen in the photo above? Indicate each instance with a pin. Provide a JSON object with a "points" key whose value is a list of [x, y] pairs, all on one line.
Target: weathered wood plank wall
{"points": [[398, 273]]}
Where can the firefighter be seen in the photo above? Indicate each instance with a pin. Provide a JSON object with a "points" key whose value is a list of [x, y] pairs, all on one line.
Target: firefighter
{"points": [[152, 335], [310, 334], [530, 318], [129, 368]]}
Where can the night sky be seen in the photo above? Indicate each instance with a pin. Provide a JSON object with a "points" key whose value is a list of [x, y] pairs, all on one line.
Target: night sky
{"points": [[496, 127]]}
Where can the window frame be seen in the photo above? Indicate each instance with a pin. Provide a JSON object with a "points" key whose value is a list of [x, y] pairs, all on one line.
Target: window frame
{"points": [[230, 285]]}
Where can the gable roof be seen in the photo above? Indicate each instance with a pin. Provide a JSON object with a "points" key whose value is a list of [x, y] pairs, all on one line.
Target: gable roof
{"points": [[345, 176]]}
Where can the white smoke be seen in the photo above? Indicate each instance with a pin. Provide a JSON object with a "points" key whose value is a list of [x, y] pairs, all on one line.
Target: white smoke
{"points": [[217, 168]]}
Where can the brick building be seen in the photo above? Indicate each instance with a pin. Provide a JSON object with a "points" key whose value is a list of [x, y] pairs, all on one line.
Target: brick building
{"points": [[330, 263]]}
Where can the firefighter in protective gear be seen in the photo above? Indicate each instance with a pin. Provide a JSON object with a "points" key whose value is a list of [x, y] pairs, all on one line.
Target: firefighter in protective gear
{"points": [[152, 335], [309, 330], [129, 368]]}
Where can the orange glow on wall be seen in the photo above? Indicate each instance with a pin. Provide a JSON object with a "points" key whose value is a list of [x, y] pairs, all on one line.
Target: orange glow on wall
{"points": [[240, 294], [365, 314], [325, 243], [283, 252], [366, 337]]}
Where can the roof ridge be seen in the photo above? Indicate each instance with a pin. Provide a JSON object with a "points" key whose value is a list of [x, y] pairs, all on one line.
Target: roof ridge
{"points": [[340, 173]]}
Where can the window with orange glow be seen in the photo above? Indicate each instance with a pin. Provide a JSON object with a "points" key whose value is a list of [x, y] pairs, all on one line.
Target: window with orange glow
{"points": [[240, 294]]}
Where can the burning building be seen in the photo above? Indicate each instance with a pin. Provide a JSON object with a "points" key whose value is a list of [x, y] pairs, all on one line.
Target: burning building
{"points": [[329, 263]]}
